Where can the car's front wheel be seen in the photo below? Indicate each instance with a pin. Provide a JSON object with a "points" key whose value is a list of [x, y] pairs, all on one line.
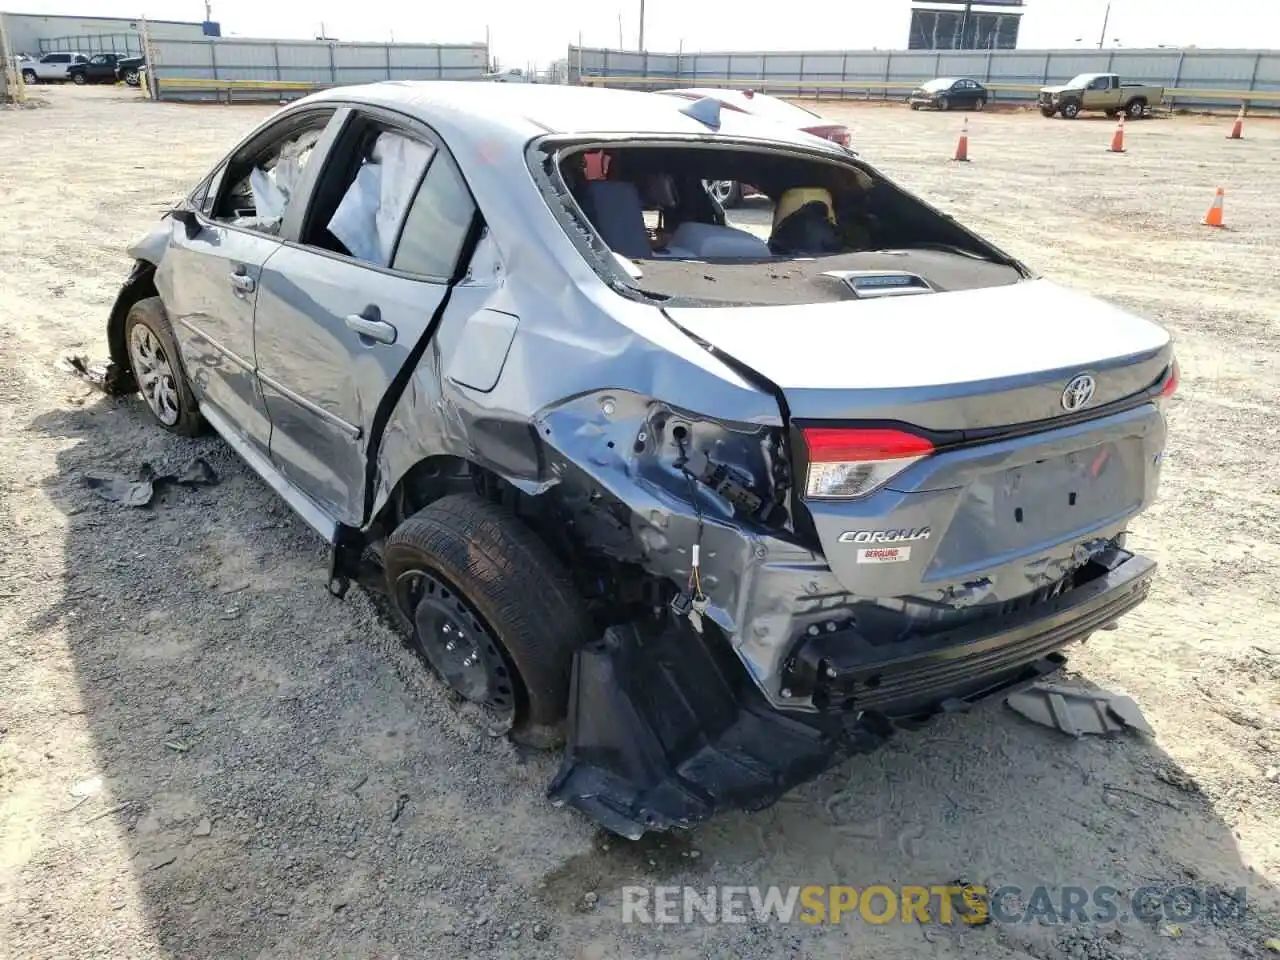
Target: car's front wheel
{"points": [[29, 78], [78, 79], [944, 103], [132, 78], [157, 369], [980, 105], [491, 609], [1071, 110]]}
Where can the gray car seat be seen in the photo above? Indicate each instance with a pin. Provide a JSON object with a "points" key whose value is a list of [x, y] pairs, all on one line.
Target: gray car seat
{"points": [[615, 210]]}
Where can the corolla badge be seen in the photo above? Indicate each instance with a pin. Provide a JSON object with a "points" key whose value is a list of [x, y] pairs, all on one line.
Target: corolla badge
{"points": [[1079, 392]]}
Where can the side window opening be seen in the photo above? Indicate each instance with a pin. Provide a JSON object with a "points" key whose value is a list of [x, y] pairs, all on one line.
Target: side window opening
{"points": [[364, 197], [263, 183], [436, 228], [392, 200]]}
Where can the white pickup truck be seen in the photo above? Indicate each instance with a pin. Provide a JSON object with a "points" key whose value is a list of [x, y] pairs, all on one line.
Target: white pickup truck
{"points": [[50, 68]]}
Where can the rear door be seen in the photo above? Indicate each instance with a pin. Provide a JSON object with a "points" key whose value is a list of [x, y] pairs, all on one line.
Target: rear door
{"points": [[209, 281], [53, 66], [343, 304]]}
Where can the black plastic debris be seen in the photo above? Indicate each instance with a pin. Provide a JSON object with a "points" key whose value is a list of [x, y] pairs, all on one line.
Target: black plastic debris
{"points": [[1079, 712], [106, 377], [141, 491]]}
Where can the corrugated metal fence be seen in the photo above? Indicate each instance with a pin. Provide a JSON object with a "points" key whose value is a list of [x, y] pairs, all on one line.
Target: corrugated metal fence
{"points": [[1193, 78], [246, 69]]}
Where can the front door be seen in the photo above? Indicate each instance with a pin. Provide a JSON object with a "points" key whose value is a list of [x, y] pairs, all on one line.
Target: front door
{"points": [[342, 308], [209, 281]]}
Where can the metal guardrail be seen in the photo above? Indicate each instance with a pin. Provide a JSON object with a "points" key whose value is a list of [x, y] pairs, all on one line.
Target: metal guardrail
{"points": [[1032, 90]]}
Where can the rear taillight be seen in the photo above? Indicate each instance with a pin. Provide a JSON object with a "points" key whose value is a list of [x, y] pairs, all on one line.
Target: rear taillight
{"points": [[1171, 385], [847, 463], [832, 132]]}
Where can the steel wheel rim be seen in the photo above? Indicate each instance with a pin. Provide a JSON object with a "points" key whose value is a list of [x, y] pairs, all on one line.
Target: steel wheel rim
{"points": [[981, 105], [131, 77], [154, 374], [452, 637]]}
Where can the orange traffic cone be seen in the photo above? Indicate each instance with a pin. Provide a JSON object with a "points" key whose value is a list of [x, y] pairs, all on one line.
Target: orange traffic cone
{"points": [[1214, 217], [962, 145], [1237, 128], [1117, 138]]}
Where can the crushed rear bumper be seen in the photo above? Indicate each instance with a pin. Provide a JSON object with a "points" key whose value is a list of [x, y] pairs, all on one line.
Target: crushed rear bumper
{"points": [[666, 728]]}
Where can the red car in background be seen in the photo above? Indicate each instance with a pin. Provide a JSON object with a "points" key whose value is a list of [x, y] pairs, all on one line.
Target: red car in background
{"points": [[729, 192]]}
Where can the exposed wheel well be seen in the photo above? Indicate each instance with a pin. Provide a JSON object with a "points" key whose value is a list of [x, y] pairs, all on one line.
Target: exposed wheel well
{"points": [[140, 285], [613, 584]]}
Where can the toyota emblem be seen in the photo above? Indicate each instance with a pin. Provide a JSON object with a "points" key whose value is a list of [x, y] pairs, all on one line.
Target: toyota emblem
{"points": [[1079, 392]]}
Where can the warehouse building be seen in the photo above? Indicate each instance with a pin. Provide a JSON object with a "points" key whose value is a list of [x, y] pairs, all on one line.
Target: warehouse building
{"points": [[36, 33]]}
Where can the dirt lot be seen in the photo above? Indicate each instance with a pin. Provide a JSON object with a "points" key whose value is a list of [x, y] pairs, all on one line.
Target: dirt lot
{"points": [[203, 755]]}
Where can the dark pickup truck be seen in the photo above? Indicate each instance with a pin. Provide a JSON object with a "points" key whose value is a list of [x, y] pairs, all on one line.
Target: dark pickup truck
{"points": [[100, 68]]}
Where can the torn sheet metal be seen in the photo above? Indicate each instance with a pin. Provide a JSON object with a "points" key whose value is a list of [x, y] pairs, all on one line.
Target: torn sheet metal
{"points": [[141, 491], [1079, 712]]}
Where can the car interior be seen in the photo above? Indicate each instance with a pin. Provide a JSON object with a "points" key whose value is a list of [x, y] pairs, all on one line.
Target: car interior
{"points": [[651, 207]]}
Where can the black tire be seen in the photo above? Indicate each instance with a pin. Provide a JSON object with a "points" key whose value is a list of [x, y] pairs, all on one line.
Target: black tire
{"points": [[132, 78], [980, 104], [944, 103], [1047, 111], [29, 78], [79, 79], [520, 591], [1135, 109], [150, 313], [1071, 109]]}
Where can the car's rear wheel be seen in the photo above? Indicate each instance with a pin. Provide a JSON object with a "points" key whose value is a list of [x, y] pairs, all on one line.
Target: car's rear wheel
{"points": [[29, 78], [491, 609], [1136, 109], [78, 79], [157, 369]]}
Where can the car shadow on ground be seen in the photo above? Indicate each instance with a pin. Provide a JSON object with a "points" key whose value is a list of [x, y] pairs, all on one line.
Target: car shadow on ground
{"points": [[288, 781]]}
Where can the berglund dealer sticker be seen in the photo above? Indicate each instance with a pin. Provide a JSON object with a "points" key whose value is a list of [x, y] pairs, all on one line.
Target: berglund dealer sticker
{"points": [[884, 554]]}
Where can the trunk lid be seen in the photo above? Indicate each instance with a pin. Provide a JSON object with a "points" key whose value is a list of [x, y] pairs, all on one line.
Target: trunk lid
{"points": [[988, 515], [962, 360]]}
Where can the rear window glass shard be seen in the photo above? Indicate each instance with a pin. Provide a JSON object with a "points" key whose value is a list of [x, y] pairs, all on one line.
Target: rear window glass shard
{"points": [[703, 223]]}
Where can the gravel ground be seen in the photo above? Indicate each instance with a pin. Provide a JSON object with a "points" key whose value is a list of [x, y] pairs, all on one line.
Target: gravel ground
{"points": [[204, 755]]}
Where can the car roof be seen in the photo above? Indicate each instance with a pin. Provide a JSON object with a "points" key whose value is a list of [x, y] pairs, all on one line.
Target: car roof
{"points": [[488, 116]]}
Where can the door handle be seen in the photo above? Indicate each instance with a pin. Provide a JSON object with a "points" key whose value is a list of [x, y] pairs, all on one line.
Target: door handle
{"points": [[371, 327], [242, 282]]}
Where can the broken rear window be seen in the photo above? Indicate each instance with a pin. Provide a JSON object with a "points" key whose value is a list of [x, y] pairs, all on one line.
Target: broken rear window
{"points": [[701, 223]]}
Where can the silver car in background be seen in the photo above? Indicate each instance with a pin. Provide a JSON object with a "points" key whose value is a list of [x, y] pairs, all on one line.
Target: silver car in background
{"points": [[716, 504]]}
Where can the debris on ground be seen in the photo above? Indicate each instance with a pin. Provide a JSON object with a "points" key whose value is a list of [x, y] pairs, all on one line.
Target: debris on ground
{"points": [[1176, 778], [106, 377], [1077, 711], [140, 492]]}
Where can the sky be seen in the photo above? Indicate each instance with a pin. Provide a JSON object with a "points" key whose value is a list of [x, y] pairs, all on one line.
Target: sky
{"points": [[524, 33]]}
